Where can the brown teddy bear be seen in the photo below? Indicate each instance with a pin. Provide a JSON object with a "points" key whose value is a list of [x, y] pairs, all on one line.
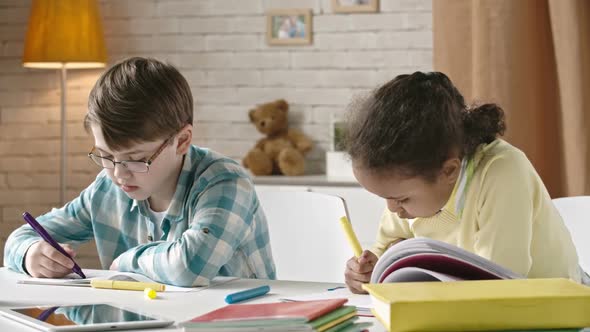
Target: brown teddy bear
{"points": [[282, 150]]}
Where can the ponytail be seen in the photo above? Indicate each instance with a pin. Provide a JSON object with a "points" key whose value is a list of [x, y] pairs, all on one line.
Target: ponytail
{"points": [[415, 122], [481, 125]]}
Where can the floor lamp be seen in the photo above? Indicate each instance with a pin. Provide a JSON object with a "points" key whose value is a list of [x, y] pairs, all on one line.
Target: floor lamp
{"points": [[64, 34]]}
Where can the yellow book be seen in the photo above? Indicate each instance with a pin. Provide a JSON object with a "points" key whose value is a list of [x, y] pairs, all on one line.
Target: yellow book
{"points": [[481, 305]]}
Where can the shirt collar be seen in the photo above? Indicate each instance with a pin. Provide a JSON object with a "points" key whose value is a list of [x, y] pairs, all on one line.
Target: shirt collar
{"points": [[456, 202], [176, 209]]}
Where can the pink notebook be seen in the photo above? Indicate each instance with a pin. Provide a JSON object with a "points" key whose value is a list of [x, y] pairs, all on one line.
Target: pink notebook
{"points": [[308, 310]]}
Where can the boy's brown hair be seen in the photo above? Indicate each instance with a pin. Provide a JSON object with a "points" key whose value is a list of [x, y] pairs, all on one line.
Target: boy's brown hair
{"points": [[139, 100]]}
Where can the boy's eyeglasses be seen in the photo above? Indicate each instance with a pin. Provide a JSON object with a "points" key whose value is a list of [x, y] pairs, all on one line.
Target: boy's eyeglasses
{"points": [[135, 166]]}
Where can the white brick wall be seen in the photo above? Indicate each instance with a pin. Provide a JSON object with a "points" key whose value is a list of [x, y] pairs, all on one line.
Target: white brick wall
{"points": [[219, 45]]}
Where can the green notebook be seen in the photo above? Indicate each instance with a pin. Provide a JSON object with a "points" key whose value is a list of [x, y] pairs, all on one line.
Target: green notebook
{"points": [[342, 326], [350, 326], [316, 324]]}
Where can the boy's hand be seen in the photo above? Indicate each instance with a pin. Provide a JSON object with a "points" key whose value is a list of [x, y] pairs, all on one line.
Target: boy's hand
{"points": [[44, 261], [358, 271], [115, 265]]}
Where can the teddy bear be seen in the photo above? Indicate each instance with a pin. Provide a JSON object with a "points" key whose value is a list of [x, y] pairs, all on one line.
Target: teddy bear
{"points": [[282, 150]]}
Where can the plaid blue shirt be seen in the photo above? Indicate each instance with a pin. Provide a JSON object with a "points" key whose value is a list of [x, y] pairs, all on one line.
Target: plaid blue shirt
{"points": [[214, 226]]}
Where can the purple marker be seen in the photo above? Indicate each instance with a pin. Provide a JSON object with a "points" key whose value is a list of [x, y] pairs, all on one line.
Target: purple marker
{"points": [[46, 313], [43, 233]]}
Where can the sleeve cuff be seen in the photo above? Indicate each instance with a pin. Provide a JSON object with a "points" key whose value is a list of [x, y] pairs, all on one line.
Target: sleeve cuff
{"points": [[124, 263], [20, 254]]}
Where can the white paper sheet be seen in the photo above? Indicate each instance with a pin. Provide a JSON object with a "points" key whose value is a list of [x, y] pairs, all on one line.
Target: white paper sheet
{"points": [[74, 280]]}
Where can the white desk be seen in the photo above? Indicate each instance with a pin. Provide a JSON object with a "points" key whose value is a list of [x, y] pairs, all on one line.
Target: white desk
{"points": [[176, 306]]}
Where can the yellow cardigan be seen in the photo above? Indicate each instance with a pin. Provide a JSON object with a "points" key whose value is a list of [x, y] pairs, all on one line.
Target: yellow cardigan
{"points": [[507, 217]]}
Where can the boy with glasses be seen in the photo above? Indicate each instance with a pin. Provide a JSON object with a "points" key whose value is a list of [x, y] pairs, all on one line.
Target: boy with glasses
{"points": [[174, 212]]}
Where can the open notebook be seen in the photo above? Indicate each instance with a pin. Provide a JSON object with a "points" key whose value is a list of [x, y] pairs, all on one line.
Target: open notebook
{"points": [[74, 280], [424, 259], [419, 259]]}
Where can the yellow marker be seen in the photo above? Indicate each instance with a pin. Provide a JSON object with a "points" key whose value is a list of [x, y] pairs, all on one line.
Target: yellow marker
{"points": [[127, 285], [354, 242], [150, 293]]}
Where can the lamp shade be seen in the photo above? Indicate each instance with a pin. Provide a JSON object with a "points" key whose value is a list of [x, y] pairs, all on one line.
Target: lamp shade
{"points": [[64, 33]]}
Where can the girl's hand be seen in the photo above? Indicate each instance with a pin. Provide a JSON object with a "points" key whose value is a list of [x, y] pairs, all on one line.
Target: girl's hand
{"points": [[358, 271], [44, 261]]}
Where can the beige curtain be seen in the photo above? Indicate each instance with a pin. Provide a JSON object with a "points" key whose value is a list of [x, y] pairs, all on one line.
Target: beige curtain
{"points": [[533, 58]]}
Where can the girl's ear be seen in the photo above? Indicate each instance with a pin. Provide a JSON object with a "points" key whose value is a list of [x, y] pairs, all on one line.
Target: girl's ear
{"points": [[451, 169], [185, 136]]}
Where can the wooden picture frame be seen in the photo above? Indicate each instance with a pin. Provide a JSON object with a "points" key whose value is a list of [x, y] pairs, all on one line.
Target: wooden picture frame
{"points": [[355, 6], [289, 27]]}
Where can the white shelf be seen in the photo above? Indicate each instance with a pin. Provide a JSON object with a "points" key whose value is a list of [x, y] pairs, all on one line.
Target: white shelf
{"points": [[306, 180]]}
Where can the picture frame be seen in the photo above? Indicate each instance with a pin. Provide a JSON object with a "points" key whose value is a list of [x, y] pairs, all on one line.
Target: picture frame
{"points": [[289, 27], [355, 6]]}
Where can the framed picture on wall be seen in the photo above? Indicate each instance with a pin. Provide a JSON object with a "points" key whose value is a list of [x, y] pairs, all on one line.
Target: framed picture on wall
{"points": [[355, 6], [288, 27]]}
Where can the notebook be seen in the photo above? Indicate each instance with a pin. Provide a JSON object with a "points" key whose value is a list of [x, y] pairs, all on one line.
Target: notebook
{"points": [[362, 302], [292, 316], [424, 259], [73, 279], [333, 318], [481, 305]]}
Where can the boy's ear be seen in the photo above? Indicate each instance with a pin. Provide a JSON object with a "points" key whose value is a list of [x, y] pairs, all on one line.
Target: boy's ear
{"points": [[185, 136]]}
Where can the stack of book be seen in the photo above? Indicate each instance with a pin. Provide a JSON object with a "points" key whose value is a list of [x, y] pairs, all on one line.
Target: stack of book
{"points": [[324, 316]]}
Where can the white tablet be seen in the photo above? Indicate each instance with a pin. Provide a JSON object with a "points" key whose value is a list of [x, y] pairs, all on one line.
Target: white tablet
{"points": [[83, 317]]}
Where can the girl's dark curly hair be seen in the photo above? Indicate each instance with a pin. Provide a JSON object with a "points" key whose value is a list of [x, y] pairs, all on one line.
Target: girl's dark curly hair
{"points": [[413, 123]]}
